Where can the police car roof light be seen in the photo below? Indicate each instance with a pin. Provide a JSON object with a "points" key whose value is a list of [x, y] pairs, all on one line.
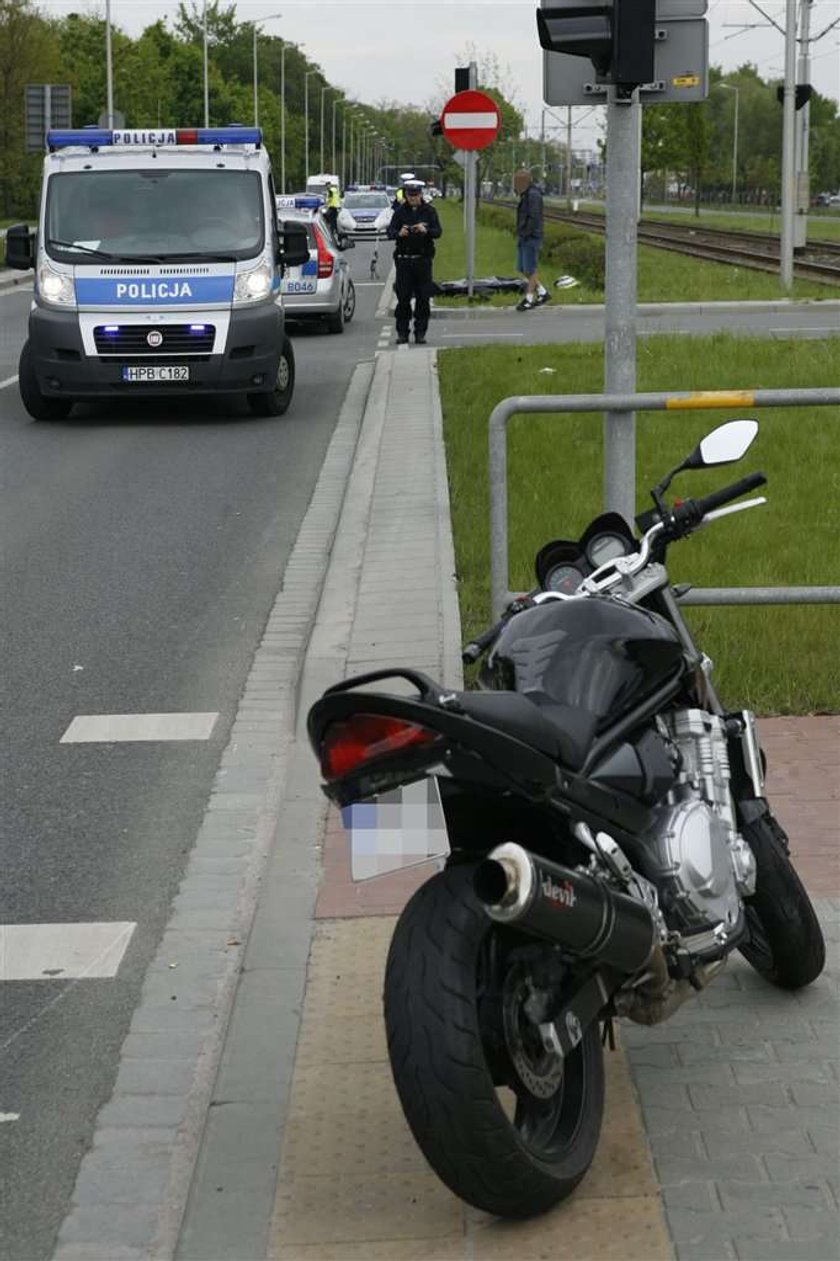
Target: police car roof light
{"points": [[100, 137], [307, 201]]}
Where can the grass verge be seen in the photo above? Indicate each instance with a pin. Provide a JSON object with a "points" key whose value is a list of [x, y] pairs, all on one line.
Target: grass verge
{"points": [[662, 276], [773, 659]]}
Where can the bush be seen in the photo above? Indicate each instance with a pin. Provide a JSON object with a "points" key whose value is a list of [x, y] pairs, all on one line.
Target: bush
{"points": [[565, 249], [577, 254]]}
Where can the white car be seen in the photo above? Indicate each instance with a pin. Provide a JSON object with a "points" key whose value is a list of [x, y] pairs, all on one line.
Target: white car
{"points": [[365, 213]]}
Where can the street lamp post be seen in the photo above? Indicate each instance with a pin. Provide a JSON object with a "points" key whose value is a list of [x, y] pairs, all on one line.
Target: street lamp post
{"points": [[334, 106], [283, 117], [109, 68], [269, 18], [206, 75], [730, 87], [324, 91], [306, 118]]}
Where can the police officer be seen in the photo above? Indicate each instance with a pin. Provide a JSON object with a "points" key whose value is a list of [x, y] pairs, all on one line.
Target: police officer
{"points": [[332, 208], [414, 227]]}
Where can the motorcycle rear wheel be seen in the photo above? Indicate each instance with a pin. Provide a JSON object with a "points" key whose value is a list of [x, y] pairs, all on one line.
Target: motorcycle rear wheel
{"points": [[440, 1051], [785, 943]]}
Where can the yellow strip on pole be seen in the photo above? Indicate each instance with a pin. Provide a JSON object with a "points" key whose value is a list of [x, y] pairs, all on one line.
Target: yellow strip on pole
{"points": [[711, 398]]}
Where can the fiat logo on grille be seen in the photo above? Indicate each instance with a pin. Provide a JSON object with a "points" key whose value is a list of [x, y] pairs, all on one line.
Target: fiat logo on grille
{"points": [[154, 338]]}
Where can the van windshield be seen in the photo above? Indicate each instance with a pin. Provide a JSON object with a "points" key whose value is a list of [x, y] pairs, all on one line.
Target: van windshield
{"points": [[142, 213]]}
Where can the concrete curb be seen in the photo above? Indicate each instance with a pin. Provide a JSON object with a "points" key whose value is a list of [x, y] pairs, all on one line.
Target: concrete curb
{"points": [[132, 1187], [231, 1201], [643, 308]]}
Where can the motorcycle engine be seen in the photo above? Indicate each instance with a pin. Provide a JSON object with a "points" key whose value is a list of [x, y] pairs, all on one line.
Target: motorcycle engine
{"points": [[705, 866]]}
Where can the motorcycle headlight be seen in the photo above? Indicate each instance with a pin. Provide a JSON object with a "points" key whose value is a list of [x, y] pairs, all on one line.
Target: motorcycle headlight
{"points": [[253, 286], [55, 288]]}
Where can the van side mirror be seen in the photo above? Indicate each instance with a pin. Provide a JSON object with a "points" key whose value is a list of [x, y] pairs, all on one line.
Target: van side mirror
{"points": [[294, 244], [20, 247]]}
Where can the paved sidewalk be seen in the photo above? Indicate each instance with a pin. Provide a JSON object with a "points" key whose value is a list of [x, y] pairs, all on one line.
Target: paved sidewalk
{"points": [[256, 1116], [720, 1134]]}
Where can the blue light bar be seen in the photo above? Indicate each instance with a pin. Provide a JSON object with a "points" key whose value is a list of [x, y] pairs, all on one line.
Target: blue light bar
{"points": [[152, 137], [307, 201]]}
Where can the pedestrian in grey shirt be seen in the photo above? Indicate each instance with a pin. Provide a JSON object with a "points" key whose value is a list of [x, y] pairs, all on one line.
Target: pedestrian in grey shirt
{"points": [[529, 234]]}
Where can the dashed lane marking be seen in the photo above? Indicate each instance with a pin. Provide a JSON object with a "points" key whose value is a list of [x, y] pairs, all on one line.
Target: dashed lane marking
{"points": [[8, 381], [60, 952], [110, 728]]}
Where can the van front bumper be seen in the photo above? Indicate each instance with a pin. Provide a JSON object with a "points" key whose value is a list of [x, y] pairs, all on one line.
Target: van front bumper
{"points": [[64, 370]]}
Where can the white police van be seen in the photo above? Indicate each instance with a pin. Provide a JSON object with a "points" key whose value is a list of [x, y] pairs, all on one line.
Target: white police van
{"points": [[158, 262]]}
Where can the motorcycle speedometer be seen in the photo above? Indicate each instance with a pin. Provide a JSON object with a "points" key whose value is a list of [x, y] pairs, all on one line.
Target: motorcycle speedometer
{"points": [[563, 578], [604, 547]]}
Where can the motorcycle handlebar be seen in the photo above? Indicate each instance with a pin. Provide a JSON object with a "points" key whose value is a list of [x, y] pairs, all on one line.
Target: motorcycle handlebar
{"points": [[487, 638], [720, 497], [690, 513], [482, 642]]}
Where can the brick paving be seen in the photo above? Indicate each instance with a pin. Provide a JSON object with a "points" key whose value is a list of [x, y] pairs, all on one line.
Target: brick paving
{"points": [[720, 1136]]}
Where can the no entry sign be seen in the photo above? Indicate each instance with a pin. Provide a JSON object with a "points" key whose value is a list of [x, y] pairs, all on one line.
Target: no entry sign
{"points": [[470, 120]]}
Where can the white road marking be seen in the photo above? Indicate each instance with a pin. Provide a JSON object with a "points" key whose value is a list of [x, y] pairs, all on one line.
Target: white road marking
{"points": [[367, 284], [8, 381], [484, 336], [9, 1116], [109, 728], [48, 952]]}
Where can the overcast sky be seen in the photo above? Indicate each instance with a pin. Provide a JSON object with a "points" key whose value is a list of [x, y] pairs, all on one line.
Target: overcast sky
{"points": [[377, 50]]}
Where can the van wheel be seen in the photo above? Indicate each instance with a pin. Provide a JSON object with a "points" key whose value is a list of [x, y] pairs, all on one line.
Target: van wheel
{"points": [[39, 406], [276, 402]]}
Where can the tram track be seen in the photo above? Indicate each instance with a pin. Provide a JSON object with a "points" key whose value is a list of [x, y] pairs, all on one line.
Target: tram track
{"points": [[820, 260]]}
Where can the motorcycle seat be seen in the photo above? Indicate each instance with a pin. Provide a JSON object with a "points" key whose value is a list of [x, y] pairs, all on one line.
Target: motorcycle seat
{"points": [[560, 731]]}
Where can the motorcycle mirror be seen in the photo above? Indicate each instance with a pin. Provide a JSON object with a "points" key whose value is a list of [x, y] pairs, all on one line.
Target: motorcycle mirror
{"points": [[723, 445]]}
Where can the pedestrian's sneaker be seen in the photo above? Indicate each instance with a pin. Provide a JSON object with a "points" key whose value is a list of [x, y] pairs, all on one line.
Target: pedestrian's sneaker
{"points": [[526, 304], [402, 341], [545, 296]]}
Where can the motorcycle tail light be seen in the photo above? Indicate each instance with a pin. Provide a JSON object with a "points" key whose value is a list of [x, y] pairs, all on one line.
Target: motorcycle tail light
{"points": [[325, 258], [351, 742]]}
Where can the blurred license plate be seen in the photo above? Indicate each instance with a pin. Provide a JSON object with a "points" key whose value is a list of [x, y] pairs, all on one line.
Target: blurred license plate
{"points": [[157, 372], [291, 286], [398, 829]]}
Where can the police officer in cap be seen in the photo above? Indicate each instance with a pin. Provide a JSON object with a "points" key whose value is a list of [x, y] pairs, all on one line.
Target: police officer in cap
{"points": [[414, 227]]}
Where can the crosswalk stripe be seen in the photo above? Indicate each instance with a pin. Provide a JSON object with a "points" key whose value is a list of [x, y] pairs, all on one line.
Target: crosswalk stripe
{"points": [[50, 952], [110, 728]]}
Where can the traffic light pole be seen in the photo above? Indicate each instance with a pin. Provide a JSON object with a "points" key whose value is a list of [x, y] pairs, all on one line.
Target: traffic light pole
{"points": [[623, 162]]}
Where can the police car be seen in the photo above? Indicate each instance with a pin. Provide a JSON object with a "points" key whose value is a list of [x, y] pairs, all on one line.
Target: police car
{"points": [[321, 289], [158, 262], [368, 211]]}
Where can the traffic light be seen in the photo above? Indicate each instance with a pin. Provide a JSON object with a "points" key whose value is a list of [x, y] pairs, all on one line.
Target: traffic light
{"points": [[435, 128], [617, 36], [462, 78], [803, 94]]}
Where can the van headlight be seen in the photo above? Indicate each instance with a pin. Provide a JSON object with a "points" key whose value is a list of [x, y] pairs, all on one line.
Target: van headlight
{"points": [[254, 285], [55, 288]]}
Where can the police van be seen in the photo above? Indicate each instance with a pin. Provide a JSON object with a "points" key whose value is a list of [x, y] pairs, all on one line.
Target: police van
{"points": [[158, 263]]}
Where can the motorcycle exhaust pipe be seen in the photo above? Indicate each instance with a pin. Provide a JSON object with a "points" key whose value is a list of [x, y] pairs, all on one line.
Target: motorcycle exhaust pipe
{"points": [[580, 913]]}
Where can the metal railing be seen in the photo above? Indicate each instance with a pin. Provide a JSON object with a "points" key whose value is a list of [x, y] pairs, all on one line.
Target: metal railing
{"points": [[689, 401]]}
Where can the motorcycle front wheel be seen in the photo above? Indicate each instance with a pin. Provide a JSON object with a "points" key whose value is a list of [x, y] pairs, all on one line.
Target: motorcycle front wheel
{"points": [[784, 940], [510, 1128]]}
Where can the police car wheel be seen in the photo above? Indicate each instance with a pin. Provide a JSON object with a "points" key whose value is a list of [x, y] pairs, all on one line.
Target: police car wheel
{"points": [[335, 323], [276, 401], [350, 303], [39, 406]]}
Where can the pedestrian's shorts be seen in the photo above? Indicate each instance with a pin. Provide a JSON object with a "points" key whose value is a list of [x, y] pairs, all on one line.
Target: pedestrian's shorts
{"points": [[527, 253]]}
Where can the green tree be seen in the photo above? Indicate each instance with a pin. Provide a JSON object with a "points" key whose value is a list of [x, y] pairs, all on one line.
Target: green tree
{"points": [[28, 54]]}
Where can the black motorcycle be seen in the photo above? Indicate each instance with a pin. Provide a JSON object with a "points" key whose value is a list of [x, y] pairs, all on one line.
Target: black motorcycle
{"points": [[610, 847]]}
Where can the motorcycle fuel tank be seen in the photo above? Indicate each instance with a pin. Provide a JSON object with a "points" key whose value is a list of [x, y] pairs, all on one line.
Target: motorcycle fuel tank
{"points": [[592, 653]]}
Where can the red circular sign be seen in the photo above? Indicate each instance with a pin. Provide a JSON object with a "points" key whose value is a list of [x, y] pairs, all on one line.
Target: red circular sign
{"points": [[470, 120]]}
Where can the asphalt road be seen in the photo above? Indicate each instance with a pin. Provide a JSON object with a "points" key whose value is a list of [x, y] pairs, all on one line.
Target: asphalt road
{"points": [[142, 549]]}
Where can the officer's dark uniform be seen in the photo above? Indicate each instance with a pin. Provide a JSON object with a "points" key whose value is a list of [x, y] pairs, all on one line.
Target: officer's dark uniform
{"points": [[413, 259]]}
